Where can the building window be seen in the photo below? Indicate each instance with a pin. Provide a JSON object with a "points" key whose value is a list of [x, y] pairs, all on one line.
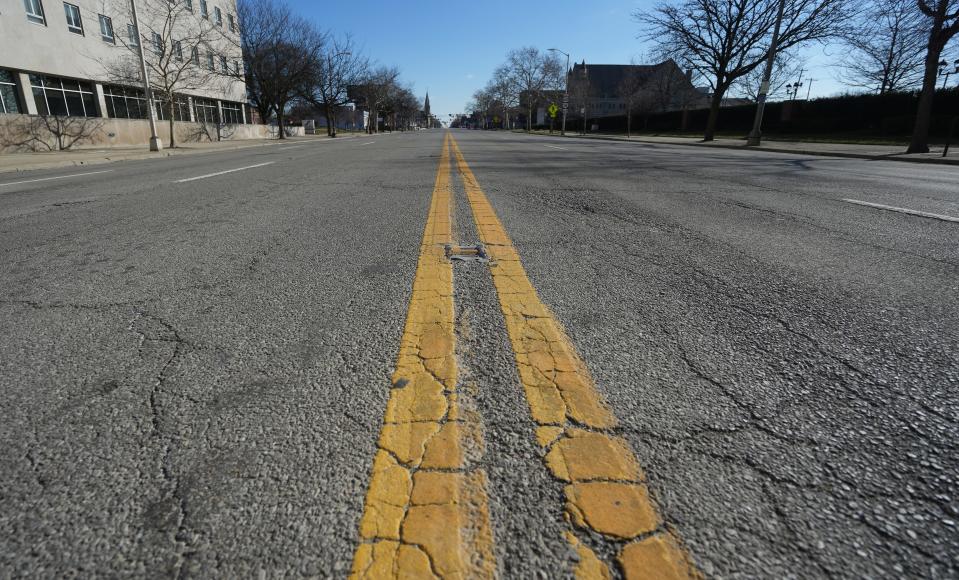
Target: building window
{"points": [[178, 50], [195, 56], [210, 61], [236, 67], [223, 66], [106, 29], [34, 11], [8, 92], [205, 110], [203, 10], [188, 4], [74, 24], [63, 97], [232, 113], [232, 22], [157, 43], [125, 103], [133, 36], [217, 16]]}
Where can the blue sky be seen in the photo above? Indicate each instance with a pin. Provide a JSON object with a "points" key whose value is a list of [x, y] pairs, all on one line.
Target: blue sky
{"points": [[451, 48]]}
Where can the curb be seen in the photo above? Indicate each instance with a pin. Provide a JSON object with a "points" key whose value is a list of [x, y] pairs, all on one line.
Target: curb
{"points": [[889, 157]]}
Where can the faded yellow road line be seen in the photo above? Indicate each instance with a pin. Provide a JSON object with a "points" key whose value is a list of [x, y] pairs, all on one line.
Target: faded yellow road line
{"points": [[426, 512], [606, 491]]}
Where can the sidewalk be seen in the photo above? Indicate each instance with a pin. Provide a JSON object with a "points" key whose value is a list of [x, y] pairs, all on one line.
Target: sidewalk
{"points": [[10, 162], [849, 150]]}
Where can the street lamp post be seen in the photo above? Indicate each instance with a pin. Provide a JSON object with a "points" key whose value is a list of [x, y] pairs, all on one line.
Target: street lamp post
{"points": [[945, 73], [566, 91], [155, 143], [755, 136]]}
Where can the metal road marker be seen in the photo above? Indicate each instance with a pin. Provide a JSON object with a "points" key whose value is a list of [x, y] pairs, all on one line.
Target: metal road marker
{"points": [[606, 491], [426, 510]]}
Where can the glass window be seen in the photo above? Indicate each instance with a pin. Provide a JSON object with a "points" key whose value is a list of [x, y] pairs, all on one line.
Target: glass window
{"points": [[132, 35], [124, 102], [236, 67], [232, 114], [74, 24], [188, 4], [217, 16], [203, 10], [8, 92], [157, 43], [178, 50], [106, 29], [195, 56], [64, 97], [34, 11], [232, 22], [205, 110], [223, 66], [210, 61]]}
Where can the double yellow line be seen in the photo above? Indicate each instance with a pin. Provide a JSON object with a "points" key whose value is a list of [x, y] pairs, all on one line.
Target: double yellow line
{"points": [[426, 508]]}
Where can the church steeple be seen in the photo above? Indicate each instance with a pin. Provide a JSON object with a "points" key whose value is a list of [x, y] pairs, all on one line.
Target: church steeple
{"points": [[426, 109]]}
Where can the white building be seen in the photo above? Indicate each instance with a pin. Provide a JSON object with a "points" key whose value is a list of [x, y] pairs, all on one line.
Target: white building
{"points": [[71, 59]]}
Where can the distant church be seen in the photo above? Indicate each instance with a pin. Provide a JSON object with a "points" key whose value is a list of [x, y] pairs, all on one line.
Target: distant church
{"points": [[426, 111]]}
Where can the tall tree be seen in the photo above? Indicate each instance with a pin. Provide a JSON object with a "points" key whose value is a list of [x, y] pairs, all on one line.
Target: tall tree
{"points": [[786, 70], [177, 47], [886, 46], [533, 72], [942, 23], [724, 40], [339, 67], [281, 51], [630, 90], [374, 90]]}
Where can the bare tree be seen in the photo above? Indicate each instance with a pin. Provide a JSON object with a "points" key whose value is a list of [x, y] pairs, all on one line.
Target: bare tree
{"points": [[726, 39], [630, 90], [374, 90], [942, 23], [281, 51], [182, 51], [884, 50], [503, 89], [339, 67], [533, 72]]}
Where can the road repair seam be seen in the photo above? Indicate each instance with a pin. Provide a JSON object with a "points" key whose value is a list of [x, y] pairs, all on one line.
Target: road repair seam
{"points": [[426, 512], [224, 172], [605, 490]]}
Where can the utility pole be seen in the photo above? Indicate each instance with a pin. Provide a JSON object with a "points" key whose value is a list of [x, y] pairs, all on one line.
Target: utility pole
{"points": [[809, 88], [755, 136], [155, 143], [566, 91]]}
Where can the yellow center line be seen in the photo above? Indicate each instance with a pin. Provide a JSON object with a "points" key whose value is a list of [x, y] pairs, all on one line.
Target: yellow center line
{"points": [[426, 512], [606, 491]]}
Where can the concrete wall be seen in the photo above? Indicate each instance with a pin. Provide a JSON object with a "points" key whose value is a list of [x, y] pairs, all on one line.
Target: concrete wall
{"points": [[16, 130]]}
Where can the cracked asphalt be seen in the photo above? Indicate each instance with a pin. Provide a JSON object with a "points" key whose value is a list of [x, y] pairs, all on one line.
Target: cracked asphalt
{"points": [[194, 375]]}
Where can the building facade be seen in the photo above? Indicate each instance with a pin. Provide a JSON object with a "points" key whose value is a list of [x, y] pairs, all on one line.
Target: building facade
{"points": [[80, 59], [606, 90]]}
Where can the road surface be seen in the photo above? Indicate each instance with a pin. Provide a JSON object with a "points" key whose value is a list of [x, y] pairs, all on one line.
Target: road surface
{"points": [[293, 361]]}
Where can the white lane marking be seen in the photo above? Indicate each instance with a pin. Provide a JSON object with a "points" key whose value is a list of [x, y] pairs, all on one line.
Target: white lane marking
{"points": [[555, 147], [367, 143], [906, 210], [291, 146], [58, 177], [224, 172]]}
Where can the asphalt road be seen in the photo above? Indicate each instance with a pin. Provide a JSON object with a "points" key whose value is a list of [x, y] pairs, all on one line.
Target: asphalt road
{"points": [[195, 365]]}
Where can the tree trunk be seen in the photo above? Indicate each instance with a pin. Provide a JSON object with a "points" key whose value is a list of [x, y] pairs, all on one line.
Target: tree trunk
{"points": [[920, 131], [629, 123], [172, 135], [717, 99], [279, 123], [529, 117], [330, 120]]}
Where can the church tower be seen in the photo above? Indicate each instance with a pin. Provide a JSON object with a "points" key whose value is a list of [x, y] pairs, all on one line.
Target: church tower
{"points": [[426, 111]]}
